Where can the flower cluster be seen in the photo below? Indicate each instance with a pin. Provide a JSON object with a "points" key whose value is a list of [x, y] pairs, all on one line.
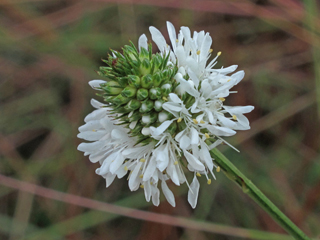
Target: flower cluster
{"points": [[163, 113]]}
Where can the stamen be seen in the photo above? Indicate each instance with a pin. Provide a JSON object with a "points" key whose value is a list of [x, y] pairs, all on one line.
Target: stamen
{"points": [[141, 186], [141, 176], [229, 80], [202, 121], [234, 117], [198, 52], [210, 50], [142, 160], [198, 174], [219, 53], [175, 163], [179, 120], [195, 121], [93, 130], [126, 168], [207, 135], [177, 40], [218, 169], [209, 181], [165, 99], [222, 99]]}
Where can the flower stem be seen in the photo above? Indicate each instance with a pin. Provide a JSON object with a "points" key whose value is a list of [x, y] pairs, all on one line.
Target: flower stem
{"points": [[249, 188]]}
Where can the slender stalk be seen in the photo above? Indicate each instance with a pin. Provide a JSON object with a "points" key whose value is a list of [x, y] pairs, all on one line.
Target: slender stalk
{"points": [[249, 188]]}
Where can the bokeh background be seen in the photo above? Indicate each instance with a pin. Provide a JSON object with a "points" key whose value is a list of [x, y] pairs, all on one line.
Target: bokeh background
{"points": [[49, 50]]}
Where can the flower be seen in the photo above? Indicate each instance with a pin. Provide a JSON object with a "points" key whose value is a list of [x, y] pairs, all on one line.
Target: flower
{"points": [[162, 114]]}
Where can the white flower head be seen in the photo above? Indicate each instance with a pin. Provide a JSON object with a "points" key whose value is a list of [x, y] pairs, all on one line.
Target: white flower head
{"points": [[162, 115]]}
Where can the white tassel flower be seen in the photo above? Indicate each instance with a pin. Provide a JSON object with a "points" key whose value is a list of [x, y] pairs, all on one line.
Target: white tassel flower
{"points": [[162, 115]]}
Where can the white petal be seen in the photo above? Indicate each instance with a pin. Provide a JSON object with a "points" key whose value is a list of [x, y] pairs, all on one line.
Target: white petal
{"points": [[158, 38], [171, 107], [168, 193], [92, 135], [205, 47], [143, 42], [172, 35], [162, 157], [155, 195], [238, 76], [96, 104], [95, 115], [194, 77], [184, 142], [193, 161], [205, 156], [95, 84], [147, 190], [159, 130], [174, 98], [89, 126], [238, 109], [117, 162], [134, 179], [220, 131], [90, 147], [109, 179], [149, 172], [194, 136], [193, 192]]}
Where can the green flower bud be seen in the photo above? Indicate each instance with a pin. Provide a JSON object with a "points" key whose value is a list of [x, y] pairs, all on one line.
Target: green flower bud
{"points": [[134, 81], [155, 93], [145, 67], [112, 90], [166, 89], [156, 62], [135, 116], [158, 105], [130, 52], [133, 105], [146, 81], [148, 119], [157, 80], [146, 106], [142, 94], [143, 54], [129, 92], [123, 81], [120, 99]]}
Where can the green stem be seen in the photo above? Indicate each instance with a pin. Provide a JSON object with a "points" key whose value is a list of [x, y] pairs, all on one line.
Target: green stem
{"points": [[249, 188]]}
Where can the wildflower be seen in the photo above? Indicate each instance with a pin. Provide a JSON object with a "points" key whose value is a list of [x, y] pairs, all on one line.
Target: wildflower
{"points": [[162, 114]]}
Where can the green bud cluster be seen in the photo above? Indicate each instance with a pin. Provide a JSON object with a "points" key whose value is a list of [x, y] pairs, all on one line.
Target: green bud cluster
{"points": [[137, 86]]}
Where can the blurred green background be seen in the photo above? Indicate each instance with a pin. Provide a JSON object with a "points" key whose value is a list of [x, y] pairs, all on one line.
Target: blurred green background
{"points": [[49, 50]]}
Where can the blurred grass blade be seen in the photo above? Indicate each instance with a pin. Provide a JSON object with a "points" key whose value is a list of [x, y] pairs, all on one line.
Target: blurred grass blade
{"points": [[138, 214]]}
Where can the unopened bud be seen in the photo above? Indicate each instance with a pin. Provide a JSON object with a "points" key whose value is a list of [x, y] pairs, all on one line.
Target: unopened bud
{"points": [[145, 67], [163, 116], [149, 118], [158, 105], [155, 93], [112, 90], [133, 105], [146, 81], [142, 94], [120, 99], [166, 89], [146, 106], [134, 81], [129, 92], [157, 80]]}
